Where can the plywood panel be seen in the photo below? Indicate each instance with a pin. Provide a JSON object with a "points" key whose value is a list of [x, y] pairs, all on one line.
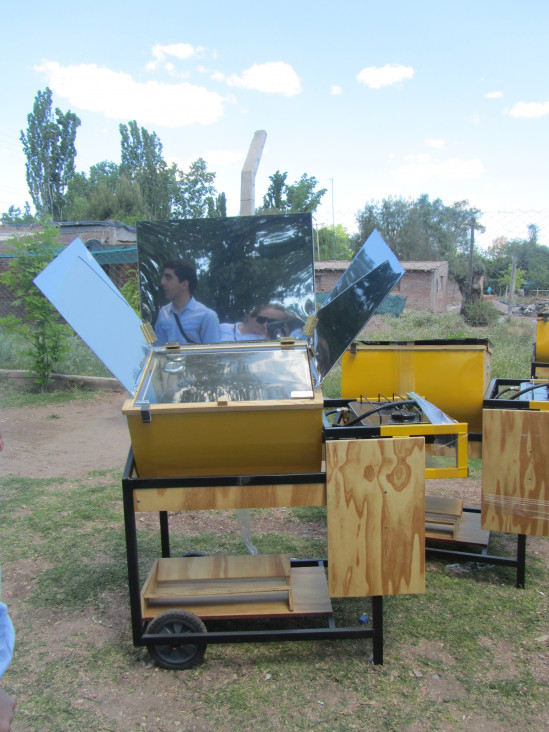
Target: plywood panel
{"points": [[515, 471], [376, 516], [229, 497]]}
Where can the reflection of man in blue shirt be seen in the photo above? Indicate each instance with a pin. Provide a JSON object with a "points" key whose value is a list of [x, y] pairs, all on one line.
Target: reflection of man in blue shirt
{"points": [[183, 319]]}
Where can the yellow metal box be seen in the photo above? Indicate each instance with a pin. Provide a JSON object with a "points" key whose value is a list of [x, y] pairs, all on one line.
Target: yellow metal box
{"points": [[228, 409], [226, 398], [540, 357], [453, 374]]}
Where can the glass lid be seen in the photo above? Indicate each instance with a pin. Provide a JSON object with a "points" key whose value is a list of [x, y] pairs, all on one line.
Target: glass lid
{"points": [[255, 373]]}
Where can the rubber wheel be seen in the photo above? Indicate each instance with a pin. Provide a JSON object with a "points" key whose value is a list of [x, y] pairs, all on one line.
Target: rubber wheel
{"points": [[172, 656], [195, 554]]}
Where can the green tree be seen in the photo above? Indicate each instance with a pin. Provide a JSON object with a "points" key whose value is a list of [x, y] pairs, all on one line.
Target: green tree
{"points": [[39, 324], [104, 194], [50, 151], [532, 259], [142, 163], [301, 196], [16, 216], [298, 197], [194, 192], [217, 208], [274, 200], [520, 278], [421, 229], [333, 243]]}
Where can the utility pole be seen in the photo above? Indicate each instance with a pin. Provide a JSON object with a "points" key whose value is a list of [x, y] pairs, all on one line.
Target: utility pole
{"points": [[333, 219], [247, 177], [470, 264], [512, 284]]}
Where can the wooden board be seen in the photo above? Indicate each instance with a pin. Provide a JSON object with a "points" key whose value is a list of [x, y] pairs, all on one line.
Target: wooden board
{"points": [[376, 516], [215, 567], [515, 471], [215, 498], [469, 531], [442, 515], [309, 598]]}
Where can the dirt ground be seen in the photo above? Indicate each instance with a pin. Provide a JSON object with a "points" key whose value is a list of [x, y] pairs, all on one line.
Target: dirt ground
{"points": [[65, 440]]}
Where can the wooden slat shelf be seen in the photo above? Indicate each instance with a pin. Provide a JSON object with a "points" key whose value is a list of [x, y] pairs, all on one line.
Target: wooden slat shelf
{"points": [[232, 587], [469, 531], [442, 516]]}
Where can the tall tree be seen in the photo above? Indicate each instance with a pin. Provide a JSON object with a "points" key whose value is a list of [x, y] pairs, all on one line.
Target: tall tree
{"points": [[273, 200], [142, 163], [333, 243], [50, 151], [298, 197], [217, 208], [194, 192]]}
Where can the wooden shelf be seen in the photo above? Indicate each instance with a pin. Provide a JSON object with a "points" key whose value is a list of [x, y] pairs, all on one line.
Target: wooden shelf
{"points": [[442, 516], [235, 587], [469, 531]]}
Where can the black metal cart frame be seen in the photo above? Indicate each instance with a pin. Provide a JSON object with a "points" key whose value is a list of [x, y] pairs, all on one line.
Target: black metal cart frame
{"points": [[140, 636]]}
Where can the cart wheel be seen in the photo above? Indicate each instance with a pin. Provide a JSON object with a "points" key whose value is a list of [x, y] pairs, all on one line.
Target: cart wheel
{"points": [[195, 554], [173, 656]]}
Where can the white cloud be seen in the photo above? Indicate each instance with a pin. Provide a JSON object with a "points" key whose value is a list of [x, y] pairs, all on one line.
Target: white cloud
{"points": [[179, 51], [420, 168], [117, 96], [273, 77], [494, 95], [434, 142], [335, 90], [377, 77], [529, 110]]}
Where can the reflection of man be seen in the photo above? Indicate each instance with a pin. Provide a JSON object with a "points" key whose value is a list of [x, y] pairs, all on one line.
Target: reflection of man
{"points": [[255, 327], [184, 319]]}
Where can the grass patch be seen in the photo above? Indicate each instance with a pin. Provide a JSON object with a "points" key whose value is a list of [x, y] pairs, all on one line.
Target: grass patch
{"points": [[13, 394], [512, 338], [79, 359], [468, 647]]}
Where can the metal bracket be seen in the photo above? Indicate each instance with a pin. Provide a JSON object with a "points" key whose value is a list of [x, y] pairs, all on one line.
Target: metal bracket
{"points": [[146, 413]]}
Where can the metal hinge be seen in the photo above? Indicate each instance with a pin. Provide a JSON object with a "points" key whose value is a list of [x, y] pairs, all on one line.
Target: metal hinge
{"points": [[310, 325], [148, 332]]}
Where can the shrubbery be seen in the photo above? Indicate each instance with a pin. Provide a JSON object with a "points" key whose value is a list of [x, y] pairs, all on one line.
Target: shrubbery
{"points": [[481, 312]]}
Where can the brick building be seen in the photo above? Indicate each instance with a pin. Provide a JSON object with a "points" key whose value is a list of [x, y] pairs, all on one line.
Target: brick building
{"points": [[424, 284]]}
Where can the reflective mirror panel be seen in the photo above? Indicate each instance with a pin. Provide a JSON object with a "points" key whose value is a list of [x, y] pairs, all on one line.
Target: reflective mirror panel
{"points": [[373, 252], [91, 304], [256, 273], [368, 280], [239, 375]]}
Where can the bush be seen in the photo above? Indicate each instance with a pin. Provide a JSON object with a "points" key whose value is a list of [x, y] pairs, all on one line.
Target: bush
{"points": [[39, 325], [481, 312]]}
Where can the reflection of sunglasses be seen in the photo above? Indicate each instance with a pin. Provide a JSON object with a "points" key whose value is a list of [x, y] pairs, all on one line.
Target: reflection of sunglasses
{"points": [[261, 319]]}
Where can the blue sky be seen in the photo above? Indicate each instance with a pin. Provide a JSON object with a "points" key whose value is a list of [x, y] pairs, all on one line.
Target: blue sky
{"points": [[444, 98]]}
